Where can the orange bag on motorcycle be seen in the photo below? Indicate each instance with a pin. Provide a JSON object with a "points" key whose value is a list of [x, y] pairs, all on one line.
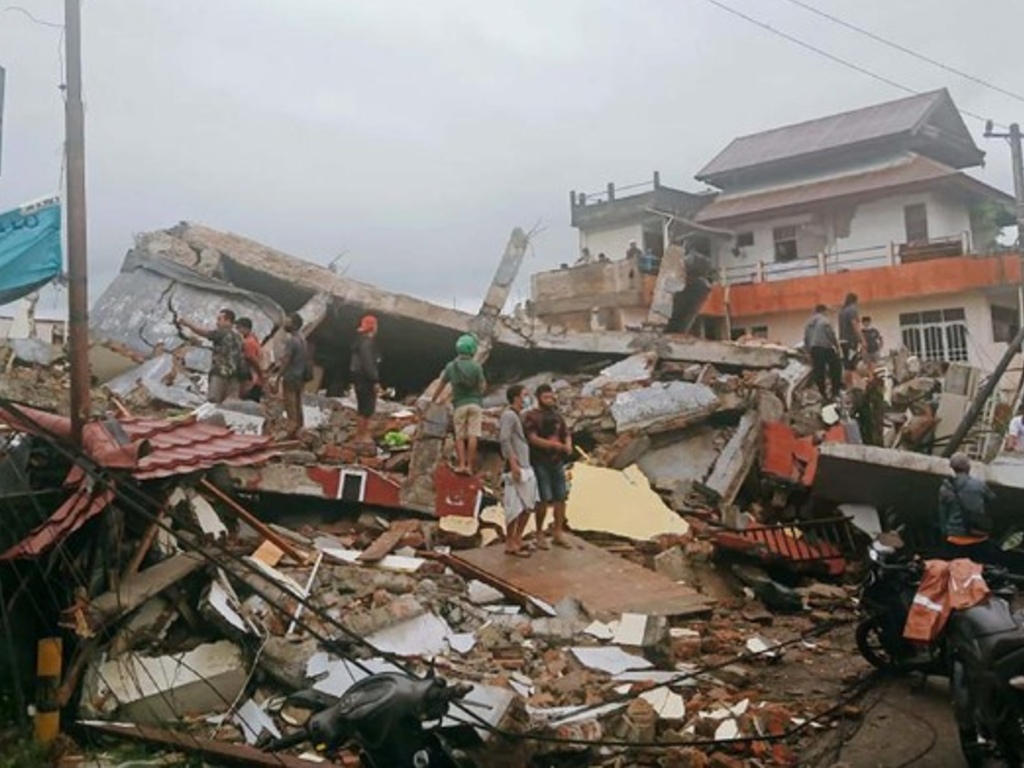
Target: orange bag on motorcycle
{"points": [[945, 587]]}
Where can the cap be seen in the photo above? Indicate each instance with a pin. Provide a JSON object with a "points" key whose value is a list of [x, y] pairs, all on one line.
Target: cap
{"points": [[368, 324]]}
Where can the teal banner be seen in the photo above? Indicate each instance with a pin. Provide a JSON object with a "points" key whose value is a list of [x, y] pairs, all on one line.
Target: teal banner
{"points": [[30, 248]]}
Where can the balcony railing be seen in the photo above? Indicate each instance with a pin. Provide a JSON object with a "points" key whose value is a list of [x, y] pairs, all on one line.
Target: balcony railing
{"points": [[834, 262]]}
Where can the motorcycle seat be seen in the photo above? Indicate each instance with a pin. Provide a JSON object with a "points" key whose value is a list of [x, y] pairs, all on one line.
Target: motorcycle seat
{"points": [[1004, 644]]}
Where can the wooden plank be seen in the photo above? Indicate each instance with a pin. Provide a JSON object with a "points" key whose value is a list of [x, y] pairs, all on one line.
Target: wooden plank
{"points": [[388, 540], [734, 462], [603, 582], [221, 752], [137, 589]]}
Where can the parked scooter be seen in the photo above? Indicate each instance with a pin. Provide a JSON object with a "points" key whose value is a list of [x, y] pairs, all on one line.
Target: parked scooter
{"points": [[985, 647], [384, 715], [886, 594], [981, 650]]}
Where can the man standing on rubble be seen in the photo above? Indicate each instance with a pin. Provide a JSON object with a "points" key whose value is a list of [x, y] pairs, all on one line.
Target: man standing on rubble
{"points": [[550, 447], [851, 335], [226, 359], [364, 367], [821, 344], [294, 371], [466, 377], [520, 497], [251, 377]]}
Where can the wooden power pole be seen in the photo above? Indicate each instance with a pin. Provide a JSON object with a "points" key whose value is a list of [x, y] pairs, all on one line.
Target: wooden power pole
{"points": [[78, 267]]}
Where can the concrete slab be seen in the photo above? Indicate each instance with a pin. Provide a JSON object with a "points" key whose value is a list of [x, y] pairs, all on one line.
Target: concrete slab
{"points": [[675, 467], [662, 407]]}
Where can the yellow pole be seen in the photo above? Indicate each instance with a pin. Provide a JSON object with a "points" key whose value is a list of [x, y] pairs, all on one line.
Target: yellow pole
{"points": [[48, 669]]}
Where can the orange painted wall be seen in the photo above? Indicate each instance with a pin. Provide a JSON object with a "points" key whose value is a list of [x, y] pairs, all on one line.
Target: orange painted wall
{"points": [[927, 278]]}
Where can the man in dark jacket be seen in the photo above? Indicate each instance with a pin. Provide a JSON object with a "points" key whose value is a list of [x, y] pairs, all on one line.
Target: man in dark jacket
{"points": [[821, 345], [365, 370], [963, 519]]}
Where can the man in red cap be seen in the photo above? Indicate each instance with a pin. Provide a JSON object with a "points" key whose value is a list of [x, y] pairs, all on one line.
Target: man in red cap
{"points": [[364, 367]]}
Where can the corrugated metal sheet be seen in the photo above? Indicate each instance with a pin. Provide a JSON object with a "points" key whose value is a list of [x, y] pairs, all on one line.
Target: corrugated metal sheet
{"points": [[916, 169], [875, 122]]}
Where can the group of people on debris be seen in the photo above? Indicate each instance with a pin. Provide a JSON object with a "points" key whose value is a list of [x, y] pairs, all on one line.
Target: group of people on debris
{"points": [[858, 341], [238, 371], [536, 447]]}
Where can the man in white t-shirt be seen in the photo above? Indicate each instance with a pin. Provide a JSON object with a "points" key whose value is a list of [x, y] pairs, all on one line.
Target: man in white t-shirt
{"points": [[1015, 434]]}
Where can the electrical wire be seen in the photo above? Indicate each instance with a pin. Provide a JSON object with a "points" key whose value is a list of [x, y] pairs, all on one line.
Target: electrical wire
{"points": [[130, 496], [910, 52], [830, 56], [132, 672], [33, 19]]}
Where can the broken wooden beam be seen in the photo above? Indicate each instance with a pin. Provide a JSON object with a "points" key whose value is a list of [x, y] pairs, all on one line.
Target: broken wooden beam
{"points": [[388, 540]]}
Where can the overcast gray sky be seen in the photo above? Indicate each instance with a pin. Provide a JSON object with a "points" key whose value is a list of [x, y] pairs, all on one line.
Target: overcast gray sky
{"points": [[415, 134]]}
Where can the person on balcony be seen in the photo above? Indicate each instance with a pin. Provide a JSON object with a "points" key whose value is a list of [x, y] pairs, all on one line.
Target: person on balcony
{"points": [[851, 336], [821, 344]]}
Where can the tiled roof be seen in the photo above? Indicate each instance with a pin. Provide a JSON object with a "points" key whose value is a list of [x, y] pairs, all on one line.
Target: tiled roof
{"points": [[180, 448], [152, 448]]}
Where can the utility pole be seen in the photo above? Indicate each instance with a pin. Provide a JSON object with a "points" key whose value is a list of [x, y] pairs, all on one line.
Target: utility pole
{"points": [[978, 404], [78, 265]]}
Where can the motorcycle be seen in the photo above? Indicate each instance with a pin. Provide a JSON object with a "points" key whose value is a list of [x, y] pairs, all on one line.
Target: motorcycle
{"points": [[980, 650], [885, 597], [384, 715], [985, 646]]}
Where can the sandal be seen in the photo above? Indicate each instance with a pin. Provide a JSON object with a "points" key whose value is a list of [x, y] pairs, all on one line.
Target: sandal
{"points": [[517, 553]]}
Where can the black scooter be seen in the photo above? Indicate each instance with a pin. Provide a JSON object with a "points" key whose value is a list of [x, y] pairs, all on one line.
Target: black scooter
{"points": [[985, 646], [886, 594], [981, 650], [384, 715]]}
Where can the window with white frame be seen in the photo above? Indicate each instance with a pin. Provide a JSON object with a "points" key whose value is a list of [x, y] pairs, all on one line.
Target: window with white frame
{"points": [[785, 243], [938, 334]]}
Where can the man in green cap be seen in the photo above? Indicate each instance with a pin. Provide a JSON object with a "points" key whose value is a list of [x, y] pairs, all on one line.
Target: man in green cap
{"points": [[466, 377]]}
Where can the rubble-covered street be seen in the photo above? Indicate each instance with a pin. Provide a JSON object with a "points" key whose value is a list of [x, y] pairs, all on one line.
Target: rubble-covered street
{"points": [[202, 570]]}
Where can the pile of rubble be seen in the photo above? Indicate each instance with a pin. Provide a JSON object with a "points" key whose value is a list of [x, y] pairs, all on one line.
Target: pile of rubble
{"points": [[195, 615]]}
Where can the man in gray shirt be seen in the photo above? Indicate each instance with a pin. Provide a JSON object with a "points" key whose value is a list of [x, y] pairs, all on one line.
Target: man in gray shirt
{"points": [[520, 483], [821, 344]]}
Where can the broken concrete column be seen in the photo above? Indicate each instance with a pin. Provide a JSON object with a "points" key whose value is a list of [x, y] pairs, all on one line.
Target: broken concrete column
{"points": [[734, 463]]}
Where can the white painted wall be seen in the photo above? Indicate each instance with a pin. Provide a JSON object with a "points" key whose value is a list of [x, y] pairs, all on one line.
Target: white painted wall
{"points": [[44, 328], [613, 243], [788, 328], [874, 227]]}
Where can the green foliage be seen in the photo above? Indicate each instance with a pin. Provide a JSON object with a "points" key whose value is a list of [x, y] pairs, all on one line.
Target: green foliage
{"points": [[988, 219]]}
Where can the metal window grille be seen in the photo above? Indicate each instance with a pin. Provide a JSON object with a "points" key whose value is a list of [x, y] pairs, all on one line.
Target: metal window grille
{"points": [[939, 334]]}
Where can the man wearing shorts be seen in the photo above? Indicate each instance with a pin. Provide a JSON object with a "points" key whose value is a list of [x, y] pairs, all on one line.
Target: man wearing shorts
{"points": [[520, 483], [466, 377], [550, 446], [365, 371]]}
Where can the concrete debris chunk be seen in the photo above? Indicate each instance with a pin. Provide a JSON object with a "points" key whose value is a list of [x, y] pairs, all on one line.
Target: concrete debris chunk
{"points": [[662, 407], [155, 689], [253, 721], [610, 659]]}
